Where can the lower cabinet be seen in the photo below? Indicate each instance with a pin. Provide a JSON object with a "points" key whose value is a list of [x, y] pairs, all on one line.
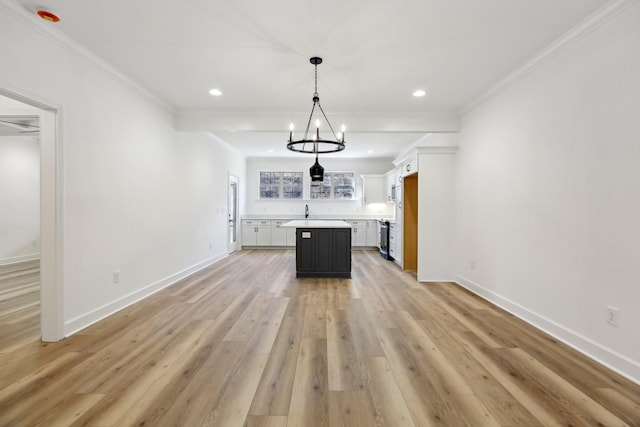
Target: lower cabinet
{"points": [[256, 232], [358, 232], [392, 241], [269, 232], [364, 233], [373, 234], [323, 252], [282, 236]]}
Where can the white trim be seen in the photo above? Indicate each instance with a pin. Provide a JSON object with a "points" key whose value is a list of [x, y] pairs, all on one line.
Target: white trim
{"points": [[51, 226], [38, 25], [19, 259], [605, 356], [577, 33], [437, 150], [83, 321]]}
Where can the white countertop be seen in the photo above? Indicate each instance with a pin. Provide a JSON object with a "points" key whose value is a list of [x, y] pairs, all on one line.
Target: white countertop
{"points": [[316, 223], [315, 217]]}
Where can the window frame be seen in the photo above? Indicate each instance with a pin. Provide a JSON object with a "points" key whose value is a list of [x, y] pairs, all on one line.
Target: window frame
{"points": [[333, 186], [283, 186]]}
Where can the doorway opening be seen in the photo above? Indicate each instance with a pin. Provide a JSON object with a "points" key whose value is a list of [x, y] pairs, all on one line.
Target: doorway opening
{"points": [[36, 118], [232, 214], [410, 222], [19, 226]]}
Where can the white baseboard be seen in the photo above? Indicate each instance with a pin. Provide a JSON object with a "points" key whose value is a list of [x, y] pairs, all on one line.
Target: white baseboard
{"points": [[21, 258], [607, 357], [83, 321]]}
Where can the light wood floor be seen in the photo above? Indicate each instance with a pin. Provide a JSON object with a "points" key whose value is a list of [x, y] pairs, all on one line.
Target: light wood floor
{"points": [[19, 305], [246, 343]]}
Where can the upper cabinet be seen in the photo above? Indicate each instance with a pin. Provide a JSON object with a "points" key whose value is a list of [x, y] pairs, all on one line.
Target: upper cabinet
{"points": [[373, 189], [390, 183], [409, 166]]}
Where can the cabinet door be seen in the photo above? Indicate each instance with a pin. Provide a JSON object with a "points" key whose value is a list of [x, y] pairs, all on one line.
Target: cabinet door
{"points": [[373, 189], [322, 246], [278, 233], [390, 181], [358, 233], [305, 250], [291, 236], [373, 236], [248, 235], [410, 166], [263, 235], [341, 250]]}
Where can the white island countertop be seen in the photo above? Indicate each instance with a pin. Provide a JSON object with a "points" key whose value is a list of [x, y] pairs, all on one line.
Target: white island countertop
{"points": [[316, 223]]}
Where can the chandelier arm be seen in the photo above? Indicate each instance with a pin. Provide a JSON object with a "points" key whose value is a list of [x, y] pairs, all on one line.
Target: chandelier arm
{"points": [[306, 131], [328, 122]]}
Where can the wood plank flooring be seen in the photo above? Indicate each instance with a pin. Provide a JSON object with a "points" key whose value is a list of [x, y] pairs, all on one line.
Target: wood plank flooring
{"points": [[245, 343], [19, 304]]}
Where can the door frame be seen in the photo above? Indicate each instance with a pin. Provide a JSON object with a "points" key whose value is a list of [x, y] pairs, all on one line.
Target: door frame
{"points": [[232, 244], [51, 213]]}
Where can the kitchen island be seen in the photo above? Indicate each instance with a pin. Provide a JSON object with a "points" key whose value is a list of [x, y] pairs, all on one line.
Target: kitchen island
{"points": [[323, 248]]}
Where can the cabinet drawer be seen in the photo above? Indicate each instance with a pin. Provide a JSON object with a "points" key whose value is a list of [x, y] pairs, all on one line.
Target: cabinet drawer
{"points": [[256, 222]]}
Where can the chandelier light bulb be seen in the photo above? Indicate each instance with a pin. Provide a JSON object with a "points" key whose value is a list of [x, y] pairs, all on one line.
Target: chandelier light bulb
{"points": [[317, 123]]}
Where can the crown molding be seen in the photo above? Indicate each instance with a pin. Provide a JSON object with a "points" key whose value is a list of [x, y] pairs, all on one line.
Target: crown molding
{"points": [[577, 33], [38, 25]]}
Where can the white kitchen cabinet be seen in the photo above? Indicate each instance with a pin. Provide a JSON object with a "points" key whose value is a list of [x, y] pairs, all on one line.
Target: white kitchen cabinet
{"points": [[410, 166], [358, 233], [398, 226], [390, 182], [256, 232], [392, 240], [373, 235], [373, 189], [278, 233], [291, 236], [282, 236]]}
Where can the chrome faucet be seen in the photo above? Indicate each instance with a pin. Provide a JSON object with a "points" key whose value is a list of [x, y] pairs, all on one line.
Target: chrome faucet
{"points": [[306, 211]]}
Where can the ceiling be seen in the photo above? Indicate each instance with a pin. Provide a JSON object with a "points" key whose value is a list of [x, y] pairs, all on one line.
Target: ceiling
{"points": [[376, 54], [19, 126]]}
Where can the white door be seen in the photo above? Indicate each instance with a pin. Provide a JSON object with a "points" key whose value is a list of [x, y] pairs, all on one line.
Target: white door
{"points": [[233, 214]]}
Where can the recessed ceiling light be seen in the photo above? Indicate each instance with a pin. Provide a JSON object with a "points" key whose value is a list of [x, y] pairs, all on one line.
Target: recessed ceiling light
{"points": [[370, 151], [215, 92], [270, 151], [419, 93], [48, 15]]}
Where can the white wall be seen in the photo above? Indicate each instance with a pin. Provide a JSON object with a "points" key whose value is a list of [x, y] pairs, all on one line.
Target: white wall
{"points": [[138, 197], [350, 208], [436, 213], [19, 199], [548, 190]]}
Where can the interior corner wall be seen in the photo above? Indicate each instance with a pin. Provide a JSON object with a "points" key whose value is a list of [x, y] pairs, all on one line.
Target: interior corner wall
{"points": [[548, 185], [138, 197], [20, 199]]}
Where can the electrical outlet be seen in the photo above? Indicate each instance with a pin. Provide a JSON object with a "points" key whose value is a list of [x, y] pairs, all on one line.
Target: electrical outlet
{"points": [[613, 316], [116, 276]]}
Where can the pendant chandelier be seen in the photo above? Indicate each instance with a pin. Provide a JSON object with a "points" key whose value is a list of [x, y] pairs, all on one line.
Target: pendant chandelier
{"points": [[312, 143]]}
